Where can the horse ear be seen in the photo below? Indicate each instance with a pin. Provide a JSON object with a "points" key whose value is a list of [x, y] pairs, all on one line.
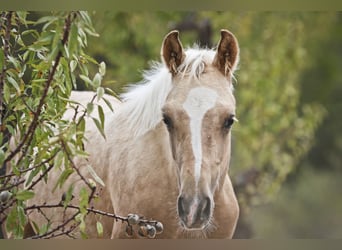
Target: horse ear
{"points": [[227, 54], [172, 51]]}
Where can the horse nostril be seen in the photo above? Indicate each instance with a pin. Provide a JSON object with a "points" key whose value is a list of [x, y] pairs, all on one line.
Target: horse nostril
{"points": [[206, 209], [181, 206]]}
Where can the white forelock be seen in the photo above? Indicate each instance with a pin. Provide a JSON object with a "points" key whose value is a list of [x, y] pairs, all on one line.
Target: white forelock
{"points": [[143, 102]]}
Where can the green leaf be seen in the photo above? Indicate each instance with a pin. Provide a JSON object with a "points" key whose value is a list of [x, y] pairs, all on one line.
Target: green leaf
{"points": [[90, 108], [22, 16], [73, 65], [13, 83], [102, 68], [101, 116], [2, 59], [68, 196], [100, 92], [58, 160], [108, 104], [21, 217], [12, 223], [111, 92], [14, 61], [94, 175], [84, 196], [7, 93], [24, 195], [99, 228], [63, 177], [86, 79], [97, 80], [2, 156], [99, 127], [72, 44]]}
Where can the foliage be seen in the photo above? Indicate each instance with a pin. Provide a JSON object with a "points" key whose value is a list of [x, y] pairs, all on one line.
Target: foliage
{"points": [[302, 209], [38, 74], [41, 62]]}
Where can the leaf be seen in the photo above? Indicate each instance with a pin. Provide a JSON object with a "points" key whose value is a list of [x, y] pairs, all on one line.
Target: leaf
{"points": [[24, 195], [12, 222], [111, 92], [73, 65], [58, 160], [68, 196], [108, 104], [63, 177], [94, 175], [90, 108], [84, 196], [2, 156], [97, 80], [102, 68], [100, 92], [13, 83], [2, 59], [86, 79], [99, 228], [72, 44], [101, 116], [99, 127]]}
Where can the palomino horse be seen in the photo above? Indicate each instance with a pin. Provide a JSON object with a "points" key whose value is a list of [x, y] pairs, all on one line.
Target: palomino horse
{"points": [[167, 148]]}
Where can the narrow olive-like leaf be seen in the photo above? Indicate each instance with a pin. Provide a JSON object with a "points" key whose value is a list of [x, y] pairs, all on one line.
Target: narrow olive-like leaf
{"points": [[97, 80], [86, 79], [72, 44], [13, 83], [21, 218], [63, 177], [94, 175], [99, 228], [101, 116], [73, 65], [84, 196], [102, 68], [22, 16], [108, 104], [24, 195], [11, 221], [90, 108], [68, 196], [99, 127], [14, 61], [2, 156], [2, 59], [58, 159], [100, 92], [35, 226], [111, 92]]}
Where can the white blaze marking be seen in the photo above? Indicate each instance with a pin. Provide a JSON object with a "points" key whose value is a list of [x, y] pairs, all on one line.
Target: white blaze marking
{"points": [[198, 102]]}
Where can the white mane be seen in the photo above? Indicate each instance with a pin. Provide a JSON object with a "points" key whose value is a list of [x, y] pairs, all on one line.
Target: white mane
{"points": [[143, 102]]}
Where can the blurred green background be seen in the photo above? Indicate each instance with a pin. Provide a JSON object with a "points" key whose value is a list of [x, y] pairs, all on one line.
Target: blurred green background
{"points": [[286, 159]]}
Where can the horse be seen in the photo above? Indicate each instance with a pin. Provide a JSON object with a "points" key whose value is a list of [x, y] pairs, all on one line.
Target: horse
{"points": [[167, 149]]}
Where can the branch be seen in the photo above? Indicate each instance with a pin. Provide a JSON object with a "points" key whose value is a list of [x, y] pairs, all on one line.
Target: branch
{"points": [[51, 234]]}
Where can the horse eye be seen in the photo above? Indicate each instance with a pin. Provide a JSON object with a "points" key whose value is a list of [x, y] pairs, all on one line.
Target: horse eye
{"points": [[167, 120], [229, 122]]}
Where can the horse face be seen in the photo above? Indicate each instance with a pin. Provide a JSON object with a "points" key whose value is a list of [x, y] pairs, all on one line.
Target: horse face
{"points": [[198, 113], [199, 131]]}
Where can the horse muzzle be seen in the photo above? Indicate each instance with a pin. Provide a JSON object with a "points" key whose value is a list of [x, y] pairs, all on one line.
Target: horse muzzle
{"points": [[194, 212]]}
